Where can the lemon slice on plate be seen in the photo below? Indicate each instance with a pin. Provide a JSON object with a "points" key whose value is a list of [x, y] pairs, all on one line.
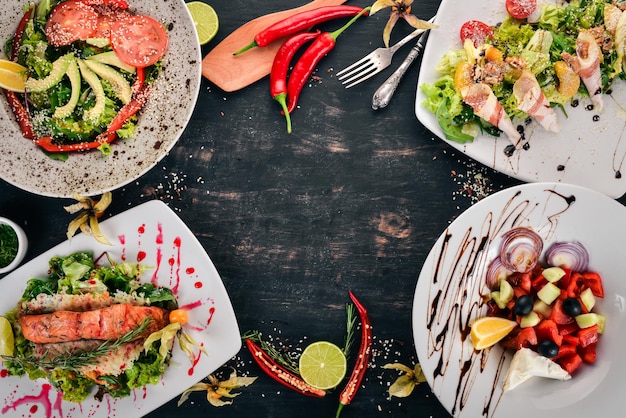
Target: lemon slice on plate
{"points": [[322, 365], [7, 340], [489, 330], [12, 75], [205, 19]]}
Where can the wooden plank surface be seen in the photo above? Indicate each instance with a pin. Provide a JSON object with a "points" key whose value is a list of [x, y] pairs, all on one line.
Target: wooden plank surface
{"points": [[353, 199]]}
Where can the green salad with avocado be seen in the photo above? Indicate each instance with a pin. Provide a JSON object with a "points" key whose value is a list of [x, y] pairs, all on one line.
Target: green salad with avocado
{"points": [[83, 90]]}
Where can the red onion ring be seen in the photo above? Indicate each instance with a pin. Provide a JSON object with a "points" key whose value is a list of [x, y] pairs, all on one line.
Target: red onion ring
{"points": [[572, 255], [496, 272], [521, 249]]}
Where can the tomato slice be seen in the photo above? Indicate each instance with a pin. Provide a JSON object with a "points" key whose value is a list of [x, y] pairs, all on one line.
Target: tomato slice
{"points": [[475, 30], [139, 40], [520, 9], [71, 21], [108, 16]]}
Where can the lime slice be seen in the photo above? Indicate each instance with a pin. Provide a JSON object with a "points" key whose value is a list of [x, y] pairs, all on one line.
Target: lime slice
{"points": [[205, 19], [7, 341], [323, 365], [12, 75]]}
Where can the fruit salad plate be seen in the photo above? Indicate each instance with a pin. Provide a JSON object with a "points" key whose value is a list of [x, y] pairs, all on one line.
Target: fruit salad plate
{"points": [[449, 296], [153, 235], [161, 122], [590, 148]]}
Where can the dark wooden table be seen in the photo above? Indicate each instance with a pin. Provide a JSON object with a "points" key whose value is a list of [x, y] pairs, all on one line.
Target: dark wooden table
{"points": [[353, 199]]}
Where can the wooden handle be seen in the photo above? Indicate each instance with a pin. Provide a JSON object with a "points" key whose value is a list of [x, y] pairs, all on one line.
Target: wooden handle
{"points": [[231, 73]]}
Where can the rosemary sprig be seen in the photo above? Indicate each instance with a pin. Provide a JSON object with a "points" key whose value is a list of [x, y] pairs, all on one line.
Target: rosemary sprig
{"points": [[281, 358], [350, 327], [74, 361]]}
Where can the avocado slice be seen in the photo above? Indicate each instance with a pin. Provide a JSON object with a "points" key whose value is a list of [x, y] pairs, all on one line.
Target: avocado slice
{"points": [[92, 79], [121, 87], [74, 75], [111, 58], [59, 68]]}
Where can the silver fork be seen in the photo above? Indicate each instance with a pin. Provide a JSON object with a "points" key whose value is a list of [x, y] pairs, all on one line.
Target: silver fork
{"points": [[374, 62]]}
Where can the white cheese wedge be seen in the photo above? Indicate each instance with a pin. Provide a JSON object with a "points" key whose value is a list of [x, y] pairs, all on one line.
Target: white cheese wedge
{"points": [[527, 363]]}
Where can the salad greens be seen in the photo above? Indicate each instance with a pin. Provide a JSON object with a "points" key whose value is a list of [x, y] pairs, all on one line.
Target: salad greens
{"points": [[80, 274], [540, 45]]}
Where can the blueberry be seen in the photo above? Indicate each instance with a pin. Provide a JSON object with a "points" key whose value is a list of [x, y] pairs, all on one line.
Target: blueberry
{"points": [[548, 348], [571, 306], [523, 305]]}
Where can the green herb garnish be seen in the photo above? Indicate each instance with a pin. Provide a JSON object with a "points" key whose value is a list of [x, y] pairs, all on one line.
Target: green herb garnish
{"points": [[8, 245]]}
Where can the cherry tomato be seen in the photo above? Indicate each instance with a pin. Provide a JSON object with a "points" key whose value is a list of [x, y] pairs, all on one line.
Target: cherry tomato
{"points": [[179, 315], [520, 9], [71, 21], [475, 30], [139, 41]]}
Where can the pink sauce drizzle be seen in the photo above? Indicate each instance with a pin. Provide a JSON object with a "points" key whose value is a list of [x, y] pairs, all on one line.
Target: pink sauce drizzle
{"points": [[159, 258], [159, 237], [211, 313], [195, 361], [4, 373], [190, 270], [191, 305], [142, 229], [177, 244], [43, 399], [122, 240], [197, 285], [141, 255]]}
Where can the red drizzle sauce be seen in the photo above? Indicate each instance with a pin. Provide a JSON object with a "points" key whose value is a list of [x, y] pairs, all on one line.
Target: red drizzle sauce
{"points": [[42, 399]]}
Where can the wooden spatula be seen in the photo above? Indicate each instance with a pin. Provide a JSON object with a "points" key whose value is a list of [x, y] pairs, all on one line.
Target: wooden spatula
{"points": [[231, 73]]}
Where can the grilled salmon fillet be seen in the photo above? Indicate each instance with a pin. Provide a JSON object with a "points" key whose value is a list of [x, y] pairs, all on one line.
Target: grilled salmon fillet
{"points": [[100, 324]]}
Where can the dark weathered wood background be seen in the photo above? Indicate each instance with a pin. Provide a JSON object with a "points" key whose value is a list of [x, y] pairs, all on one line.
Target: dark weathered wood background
{"points": [[352, 199]]}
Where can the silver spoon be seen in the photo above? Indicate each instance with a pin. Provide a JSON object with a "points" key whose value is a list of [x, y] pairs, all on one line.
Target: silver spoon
{"points": [[383, 95]]}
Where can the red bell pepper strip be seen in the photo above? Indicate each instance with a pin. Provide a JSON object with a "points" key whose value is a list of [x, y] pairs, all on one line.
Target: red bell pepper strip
{"points": [[127, 111], [280, 374], [547, 330], [593, 281], [280, 67], [21, 115], [570, 362], [299, 22], [362, 361], [588, 336], [305, 66]]}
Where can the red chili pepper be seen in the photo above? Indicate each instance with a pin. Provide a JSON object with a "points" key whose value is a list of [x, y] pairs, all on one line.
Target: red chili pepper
{"points": [[299, 22], [362, 361], [127, 111], [303, 69], [278, 373], [21, 115], [280, 67]]}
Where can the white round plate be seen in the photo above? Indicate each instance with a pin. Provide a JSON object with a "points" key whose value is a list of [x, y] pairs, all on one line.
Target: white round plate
{"points": [[448, 297], [161, 122]]}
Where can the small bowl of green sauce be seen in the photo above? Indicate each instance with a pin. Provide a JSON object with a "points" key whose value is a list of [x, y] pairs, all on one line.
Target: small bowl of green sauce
{"points": [[13, 245]]}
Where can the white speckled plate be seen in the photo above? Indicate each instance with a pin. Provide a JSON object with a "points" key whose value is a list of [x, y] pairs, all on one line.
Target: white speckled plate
{"points": [[448, 297], [153, 235], [161, 122], [586, 152]]}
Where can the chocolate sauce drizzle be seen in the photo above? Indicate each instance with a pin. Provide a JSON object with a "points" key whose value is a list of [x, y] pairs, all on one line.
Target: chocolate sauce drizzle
{"points": [[455, 299]]}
